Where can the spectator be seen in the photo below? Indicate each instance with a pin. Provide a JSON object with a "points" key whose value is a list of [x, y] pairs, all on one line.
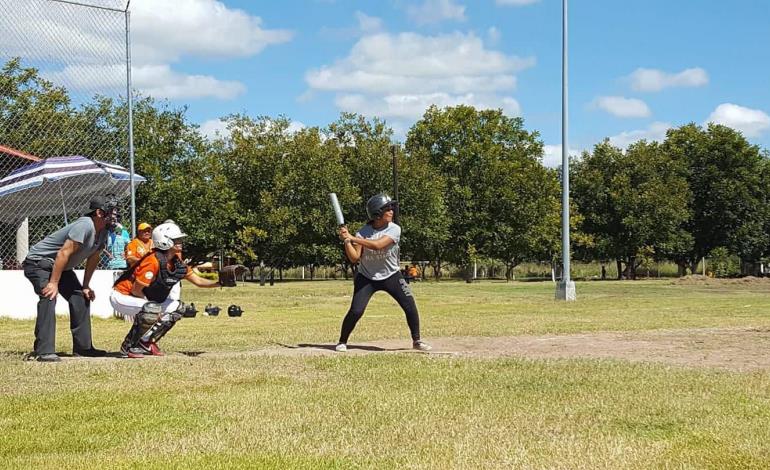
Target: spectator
{"points": [[139, 246], [117, 240]]}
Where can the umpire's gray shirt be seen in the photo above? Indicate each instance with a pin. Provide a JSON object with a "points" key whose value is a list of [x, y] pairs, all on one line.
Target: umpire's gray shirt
{"points": [[379, 264], [81, 231]]}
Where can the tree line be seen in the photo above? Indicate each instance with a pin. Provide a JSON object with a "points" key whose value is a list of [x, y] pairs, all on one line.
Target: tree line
{"points": [[472, 185]]}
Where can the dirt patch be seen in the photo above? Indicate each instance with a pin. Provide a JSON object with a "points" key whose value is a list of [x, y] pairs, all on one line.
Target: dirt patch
{"points": [[700, 280], [730, 349], [734, 349]]}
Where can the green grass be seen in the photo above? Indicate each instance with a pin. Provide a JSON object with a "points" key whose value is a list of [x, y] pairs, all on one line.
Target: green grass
{"points": [[240, 410]]}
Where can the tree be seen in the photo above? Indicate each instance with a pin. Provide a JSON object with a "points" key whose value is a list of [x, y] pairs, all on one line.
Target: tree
{"points": [[475, 152], [728, 207], [633, 203]]}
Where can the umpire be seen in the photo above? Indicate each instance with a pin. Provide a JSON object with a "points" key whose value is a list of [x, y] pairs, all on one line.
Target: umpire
{"points": [[49, 267]]}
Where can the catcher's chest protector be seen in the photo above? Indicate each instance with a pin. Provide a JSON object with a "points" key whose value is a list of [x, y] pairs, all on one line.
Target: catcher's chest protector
{"points": [[161, 286]]}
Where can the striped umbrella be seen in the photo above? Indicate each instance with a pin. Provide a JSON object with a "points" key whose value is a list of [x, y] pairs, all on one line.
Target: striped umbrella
{"points": [[59, 185]]}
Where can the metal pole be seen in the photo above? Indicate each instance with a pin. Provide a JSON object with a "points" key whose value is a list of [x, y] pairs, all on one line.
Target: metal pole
{"points": [[566, 288], [130, 104], [394, 155]]}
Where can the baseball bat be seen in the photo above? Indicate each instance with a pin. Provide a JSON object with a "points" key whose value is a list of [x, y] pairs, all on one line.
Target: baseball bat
{"points": [[337, 209]]}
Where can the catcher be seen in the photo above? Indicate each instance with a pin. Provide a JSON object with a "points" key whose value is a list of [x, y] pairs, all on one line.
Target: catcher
{"points": [[141, 294]]}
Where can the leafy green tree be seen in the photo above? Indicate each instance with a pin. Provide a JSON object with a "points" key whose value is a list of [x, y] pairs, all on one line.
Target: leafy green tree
{"points": [[474, 151], [633, 203], [729, 206]]}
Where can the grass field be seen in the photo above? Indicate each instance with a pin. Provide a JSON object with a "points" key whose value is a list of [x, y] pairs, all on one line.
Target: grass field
{"points": [[227, 397]]}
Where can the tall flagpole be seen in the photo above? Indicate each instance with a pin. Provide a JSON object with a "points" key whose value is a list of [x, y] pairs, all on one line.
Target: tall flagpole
{"points": [[565, 290]]}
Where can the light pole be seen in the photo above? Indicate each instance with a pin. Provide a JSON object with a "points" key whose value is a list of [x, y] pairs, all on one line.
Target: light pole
{"points": [[565, 289]]}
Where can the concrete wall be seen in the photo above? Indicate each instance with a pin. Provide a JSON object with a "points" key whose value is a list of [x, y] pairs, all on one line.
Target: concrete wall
{"points": [[19, 300]]}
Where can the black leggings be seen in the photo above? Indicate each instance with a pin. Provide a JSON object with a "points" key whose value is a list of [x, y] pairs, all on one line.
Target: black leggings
{"points": [[364, 288]]}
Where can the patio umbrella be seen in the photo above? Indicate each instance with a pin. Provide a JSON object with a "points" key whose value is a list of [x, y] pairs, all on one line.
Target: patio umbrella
{"points": [[59, 185]]}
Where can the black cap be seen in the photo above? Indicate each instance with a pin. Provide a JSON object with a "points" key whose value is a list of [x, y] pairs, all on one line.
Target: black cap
{"points": [[97, 202], [105, 203]]}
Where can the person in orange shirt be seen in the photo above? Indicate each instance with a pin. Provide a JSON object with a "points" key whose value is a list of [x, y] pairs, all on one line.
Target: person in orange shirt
{"points": [[139, 246], [142, 293]]}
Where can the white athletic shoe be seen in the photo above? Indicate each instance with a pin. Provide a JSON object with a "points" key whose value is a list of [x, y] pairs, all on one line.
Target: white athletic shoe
{"points": [[421, 345], [342, 347]]}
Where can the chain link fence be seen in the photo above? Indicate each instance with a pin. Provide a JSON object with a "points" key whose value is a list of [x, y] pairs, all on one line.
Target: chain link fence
{"points": [[63, 83]]}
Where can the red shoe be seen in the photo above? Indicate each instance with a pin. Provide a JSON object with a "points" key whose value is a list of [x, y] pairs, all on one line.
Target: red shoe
{"points": [[152, 349]]}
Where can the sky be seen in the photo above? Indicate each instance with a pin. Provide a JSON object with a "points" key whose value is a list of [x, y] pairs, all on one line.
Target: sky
{"points": [[636, 68]]}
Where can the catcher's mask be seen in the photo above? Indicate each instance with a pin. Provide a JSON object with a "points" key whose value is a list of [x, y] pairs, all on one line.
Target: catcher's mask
{"points": [[234, 311], [164, 236], [108, 204], [378, 204]]}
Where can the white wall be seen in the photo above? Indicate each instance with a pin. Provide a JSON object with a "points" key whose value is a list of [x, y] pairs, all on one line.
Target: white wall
{"points": [[18, 298]]}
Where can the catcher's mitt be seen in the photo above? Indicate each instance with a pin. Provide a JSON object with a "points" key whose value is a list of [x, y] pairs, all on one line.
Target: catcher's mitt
{"points": [[229, 274]]}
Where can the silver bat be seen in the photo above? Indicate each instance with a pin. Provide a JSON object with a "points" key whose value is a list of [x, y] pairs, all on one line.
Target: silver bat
{"points": [[337, 209]]}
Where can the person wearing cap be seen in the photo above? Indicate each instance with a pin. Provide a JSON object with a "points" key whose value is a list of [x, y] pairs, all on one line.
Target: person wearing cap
{"points": [[139, 246], [375, 247], [50, 265]]}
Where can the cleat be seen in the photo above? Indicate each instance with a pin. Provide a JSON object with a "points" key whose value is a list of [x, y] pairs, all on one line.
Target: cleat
{"points": [[342, 347], [151, 348], [421, 345]]}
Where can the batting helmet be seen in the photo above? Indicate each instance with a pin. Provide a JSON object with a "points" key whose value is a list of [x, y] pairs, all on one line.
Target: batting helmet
{"points": [[378, 204], [163, 236]]}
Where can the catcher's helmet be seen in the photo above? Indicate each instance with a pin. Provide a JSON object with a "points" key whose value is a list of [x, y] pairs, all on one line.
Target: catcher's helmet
{"points": [[108, 205], [234, 311], [377, 204], [163, 236]]}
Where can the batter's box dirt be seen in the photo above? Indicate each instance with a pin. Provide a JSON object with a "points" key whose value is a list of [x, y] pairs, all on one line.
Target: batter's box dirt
{"points": [[744, 349]]}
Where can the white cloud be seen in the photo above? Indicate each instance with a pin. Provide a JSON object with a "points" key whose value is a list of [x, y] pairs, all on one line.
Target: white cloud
{"points": [[368, 24], [656, 80], [214, 128], [436, 11], [412, 106], [751, 122], [623, 107], [517, 3], [399, 75], [654, 132], [552, 155], [165, 31], [159, 81], [295, 126], [161, 33], [162, 82], [493, 35]]}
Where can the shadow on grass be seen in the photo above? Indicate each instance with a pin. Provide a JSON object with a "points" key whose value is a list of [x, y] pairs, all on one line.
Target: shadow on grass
{"points": [[192, 353], [330, 347]]}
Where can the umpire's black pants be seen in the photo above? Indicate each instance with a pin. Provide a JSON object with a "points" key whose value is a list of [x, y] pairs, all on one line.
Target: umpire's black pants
{"points": [[39, 272]]}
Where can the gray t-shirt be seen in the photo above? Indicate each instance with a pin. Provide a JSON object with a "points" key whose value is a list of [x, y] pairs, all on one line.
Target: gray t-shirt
{"points": [[81, 231], [379, 264]]}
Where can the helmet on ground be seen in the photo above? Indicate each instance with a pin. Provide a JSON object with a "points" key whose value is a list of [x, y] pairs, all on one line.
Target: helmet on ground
{"points": [[377, 204], [163, 236]]}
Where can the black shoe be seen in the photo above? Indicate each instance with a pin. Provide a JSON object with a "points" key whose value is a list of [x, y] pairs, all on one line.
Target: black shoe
{"points": [[93, 352], [50, 357]]}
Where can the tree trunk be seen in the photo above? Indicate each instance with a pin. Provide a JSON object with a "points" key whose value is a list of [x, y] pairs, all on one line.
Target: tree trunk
{"points": [[509, 271], [436, 265], [312, 272], [694, 266], [619, 263], [280, 274], [681, 268], [604, 272]]}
